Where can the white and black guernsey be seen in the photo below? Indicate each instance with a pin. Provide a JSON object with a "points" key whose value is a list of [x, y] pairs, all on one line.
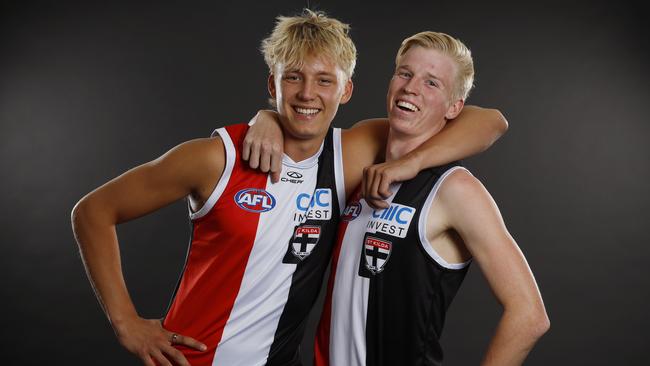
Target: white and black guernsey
{"points": [[389, 290]]}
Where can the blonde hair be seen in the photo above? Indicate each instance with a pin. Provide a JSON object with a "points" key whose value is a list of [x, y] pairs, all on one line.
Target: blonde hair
{"points": [[452, 47], [312, 32]]}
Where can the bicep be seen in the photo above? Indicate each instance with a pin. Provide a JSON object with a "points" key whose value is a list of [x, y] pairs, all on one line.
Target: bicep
{"points": [[473, 214], [155, 184], [363, 145]]}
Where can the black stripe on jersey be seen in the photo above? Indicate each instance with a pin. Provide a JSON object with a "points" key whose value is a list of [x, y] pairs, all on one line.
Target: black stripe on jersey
{"points": [[409, 296], [308, 277]]}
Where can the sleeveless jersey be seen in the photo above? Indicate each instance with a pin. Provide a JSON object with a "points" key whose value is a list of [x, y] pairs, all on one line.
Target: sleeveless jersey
{"points": [[257, 257], [388, 290]]}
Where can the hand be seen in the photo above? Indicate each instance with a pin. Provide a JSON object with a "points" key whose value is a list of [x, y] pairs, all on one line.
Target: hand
{"points": [[153, 344], [376, 181], [263, 144]]}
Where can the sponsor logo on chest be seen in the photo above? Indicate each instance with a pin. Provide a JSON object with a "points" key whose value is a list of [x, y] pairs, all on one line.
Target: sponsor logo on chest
{"points": [[314, 207], [293, 177], [394, 220], [255, 200]]}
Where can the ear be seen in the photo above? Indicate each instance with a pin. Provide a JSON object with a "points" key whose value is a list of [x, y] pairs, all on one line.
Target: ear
{"points": [[271, 85], [347, 92], [454, 109]]}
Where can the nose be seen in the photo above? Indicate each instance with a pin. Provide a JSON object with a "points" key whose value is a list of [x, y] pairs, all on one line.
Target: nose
{"points": [[411, 87], [307, 91]]}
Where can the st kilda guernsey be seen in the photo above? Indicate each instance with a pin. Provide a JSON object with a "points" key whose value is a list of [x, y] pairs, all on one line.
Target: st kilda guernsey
{"points": [[257, 257], [389, 290]]}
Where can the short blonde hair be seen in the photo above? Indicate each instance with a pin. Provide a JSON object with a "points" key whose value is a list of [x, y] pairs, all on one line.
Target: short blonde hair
{"points": [[312, 32], [451, 47]]}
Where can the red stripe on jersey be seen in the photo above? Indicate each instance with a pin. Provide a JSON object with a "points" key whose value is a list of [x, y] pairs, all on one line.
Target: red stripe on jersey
{"points": [[216, 262], [322, 342]]}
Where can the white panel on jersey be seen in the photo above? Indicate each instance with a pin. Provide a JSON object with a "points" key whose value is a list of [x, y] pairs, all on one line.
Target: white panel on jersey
{"points": [[350, 294], [422, 224], [225, 176], [249, 332], [338, 169]]}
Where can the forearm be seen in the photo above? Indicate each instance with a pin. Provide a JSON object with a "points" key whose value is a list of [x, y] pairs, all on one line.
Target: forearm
{"points": [[515, 336], [99, 251], [472, 132]]}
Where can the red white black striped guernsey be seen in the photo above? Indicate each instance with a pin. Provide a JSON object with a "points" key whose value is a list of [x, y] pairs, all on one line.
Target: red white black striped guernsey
{"points": [[257, 257], [389, 290]]}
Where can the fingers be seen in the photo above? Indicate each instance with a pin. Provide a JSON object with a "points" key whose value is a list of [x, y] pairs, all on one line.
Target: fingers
{"points": [[375, 187], [159, 358], [175, 355], [276, 163], [254, 158], [246, 148], [189, 342]]}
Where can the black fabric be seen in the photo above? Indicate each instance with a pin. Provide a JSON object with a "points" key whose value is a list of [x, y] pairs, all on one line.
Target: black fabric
{"points": [[410, 294], [308, 277]]}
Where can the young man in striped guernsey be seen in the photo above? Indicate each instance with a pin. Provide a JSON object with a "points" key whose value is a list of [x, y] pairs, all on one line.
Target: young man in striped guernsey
{"points": [[258, 250], [396, 270]]}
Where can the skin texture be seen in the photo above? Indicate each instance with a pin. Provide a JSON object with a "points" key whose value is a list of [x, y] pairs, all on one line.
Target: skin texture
{"points": [[192, 170], [464, 220], [179, 173]]}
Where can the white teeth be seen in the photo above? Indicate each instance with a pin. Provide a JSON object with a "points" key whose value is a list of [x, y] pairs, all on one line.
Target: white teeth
{"points": [[306, 110], [407, 105]]}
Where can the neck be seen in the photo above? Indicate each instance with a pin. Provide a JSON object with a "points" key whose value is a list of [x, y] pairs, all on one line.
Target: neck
{"points": [[299, 150], [400, 144]]}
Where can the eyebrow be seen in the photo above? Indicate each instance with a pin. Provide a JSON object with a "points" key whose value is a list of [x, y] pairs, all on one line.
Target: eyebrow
{"points": [[430, 75]]}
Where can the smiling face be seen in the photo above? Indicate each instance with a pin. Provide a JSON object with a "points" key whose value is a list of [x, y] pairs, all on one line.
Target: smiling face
{"points": [[308, 97], [419, 99]]}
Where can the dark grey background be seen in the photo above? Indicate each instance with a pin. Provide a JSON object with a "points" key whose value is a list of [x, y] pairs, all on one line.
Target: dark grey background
{"points": [[88, 90]]}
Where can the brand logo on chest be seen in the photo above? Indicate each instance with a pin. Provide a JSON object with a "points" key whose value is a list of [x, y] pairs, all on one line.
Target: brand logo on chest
{"points": [[314, 207], [255, 200], [394, 220]]}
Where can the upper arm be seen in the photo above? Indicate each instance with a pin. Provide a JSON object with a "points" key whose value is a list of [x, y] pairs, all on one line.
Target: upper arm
{"points": [[363, 145], [191, 168], [473, 214]]}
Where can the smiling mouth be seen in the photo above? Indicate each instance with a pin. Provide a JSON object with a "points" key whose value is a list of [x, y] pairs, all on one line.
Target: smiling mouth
{"points": [[406, 106], [306, 111]]}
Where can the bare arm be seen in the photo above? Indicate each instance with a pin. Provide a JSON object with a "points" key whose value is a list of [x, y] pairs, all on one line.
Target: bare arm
{"points": [[178, 173], [469, 210], [472, 132]]}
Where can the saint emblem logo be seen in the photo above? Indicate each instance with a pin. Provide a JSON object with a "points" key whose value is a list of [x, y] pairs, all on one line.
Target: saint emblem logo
{"points": [[376, 252], [304, 240]]}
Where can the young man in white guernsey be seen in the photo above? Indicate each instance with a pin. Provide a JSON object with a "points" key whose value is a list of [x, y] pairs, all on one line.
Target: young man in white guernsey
{"points": [[258, 250], [396, 270]]}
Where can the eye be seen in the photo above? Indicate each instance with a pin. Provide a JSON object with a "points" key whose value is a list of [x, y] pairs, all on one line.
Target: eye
{"points": [[404, 74], [291, 77], [325, 81], [432, 83]]}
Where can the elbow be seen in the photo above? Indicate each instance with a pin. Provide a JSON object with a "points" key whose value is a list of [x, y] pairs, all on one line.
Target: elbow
{"points": [[500, 122], [538, 324]]}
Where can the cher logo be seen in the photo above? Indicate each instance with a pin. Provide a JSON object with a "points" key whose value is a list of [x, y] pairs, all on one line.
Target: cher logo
{"points": [[255, 200]]}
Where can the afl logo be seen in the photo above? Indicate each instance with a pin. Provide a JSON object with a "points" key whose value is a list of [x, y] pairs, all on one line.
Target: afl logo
{"points": [[255, 200], [352, 211]]}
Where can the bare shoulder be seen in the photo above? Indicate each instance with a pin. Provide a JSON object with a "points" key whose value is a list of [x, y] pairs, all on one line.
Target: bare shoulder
{"points": [[463, 191]]}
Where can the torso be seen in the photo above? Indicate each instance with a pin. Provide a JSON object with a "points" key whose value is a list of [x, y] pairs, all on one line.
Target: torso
{"points": [[389, 289], [257, 257]]}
